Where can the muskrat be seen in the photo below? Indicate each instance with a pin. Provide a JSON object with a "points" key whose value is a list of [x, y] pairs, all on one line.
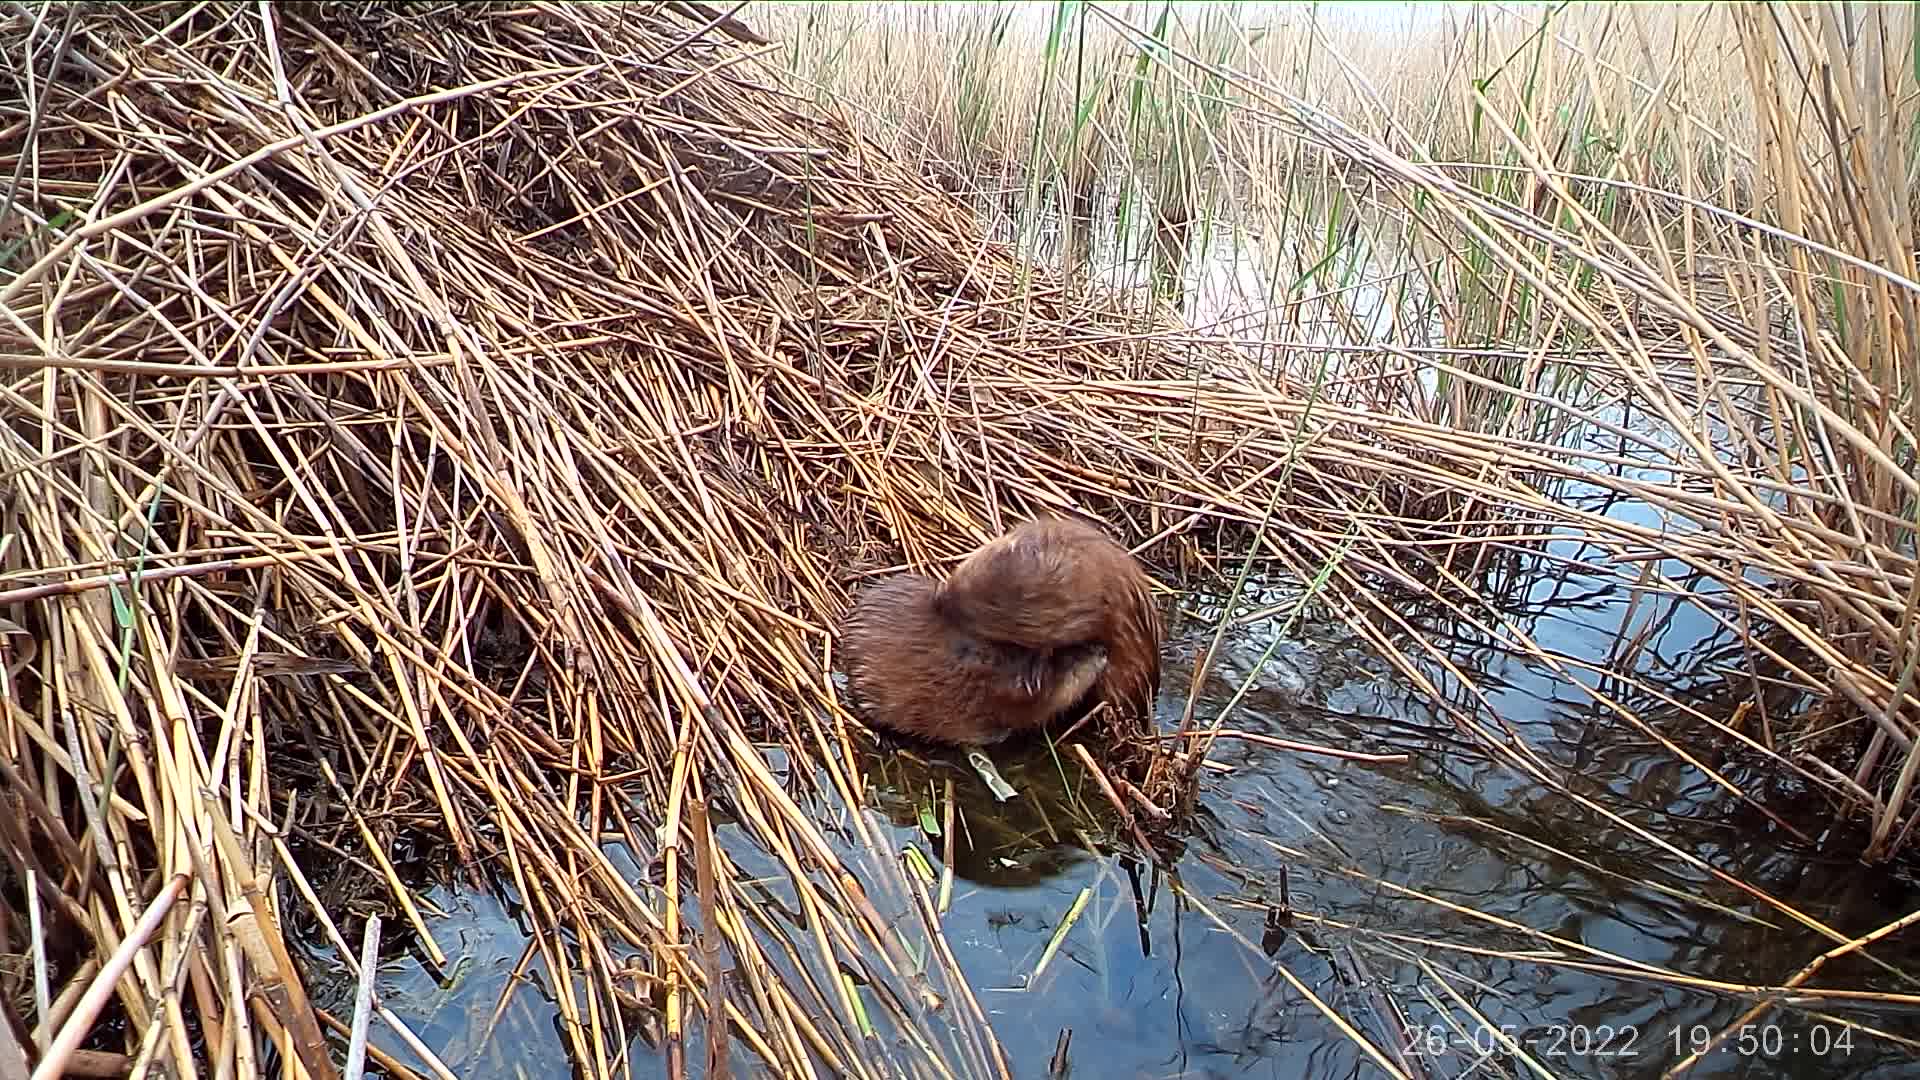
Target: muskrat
{"points": [[1044, 622]]}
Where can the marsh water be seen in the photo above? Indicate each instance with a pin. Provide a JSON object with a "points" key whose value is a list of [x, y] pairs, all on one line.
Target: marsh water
{"points": [[1463, 917]]}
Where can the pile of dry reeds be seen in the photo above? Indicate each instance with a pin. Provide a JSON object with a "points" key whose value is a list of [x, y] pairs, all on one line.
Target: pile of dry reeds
{"points": [[471, 420]]}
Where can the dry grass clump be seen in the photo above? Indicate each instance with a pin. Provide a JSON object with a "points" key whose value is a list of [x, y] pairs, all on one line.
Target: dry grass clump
{"points": [[471, 420]]}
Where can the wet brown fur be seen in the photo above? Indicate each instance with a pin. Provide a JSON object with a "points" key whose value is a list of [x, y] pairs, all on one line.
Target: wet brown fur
{"points": [[1038, 624]]}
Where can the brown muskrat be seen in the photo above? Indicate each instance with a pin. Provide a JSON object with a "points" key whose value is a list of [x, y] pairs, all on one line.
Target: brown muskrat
{"points": [[1043, 622]]}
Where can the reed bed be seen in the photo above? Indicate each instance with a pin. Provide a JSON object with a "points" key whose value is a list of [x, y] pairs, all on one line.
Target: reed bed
{"points": [[469, 423], [963, 86], [1745, 382], [1650, 256]]}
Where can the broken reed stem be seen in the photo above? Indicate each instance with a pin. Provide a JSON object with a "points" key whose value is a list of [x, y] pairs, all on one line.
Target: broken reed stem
{"points": [[79, 1023], [363, 999], [1106, 787]]}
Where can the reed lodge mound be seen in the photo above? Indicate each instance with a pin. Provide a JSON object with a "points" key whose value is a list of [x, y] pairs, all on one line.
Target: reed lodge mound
{"points": [[467, 422]]}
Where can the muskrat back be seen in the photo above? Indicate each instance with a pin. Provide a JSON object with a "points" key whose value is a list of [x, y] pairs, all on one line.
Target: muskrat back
{"points": [[912, 670], [1042, 622], [1057, 582]]}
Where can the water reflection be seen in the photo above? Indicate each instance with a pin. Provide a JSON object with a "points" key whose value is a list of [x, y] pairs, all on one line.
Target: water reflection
{"points": [[1048, 832], [1251, 275], [491, 1015]]}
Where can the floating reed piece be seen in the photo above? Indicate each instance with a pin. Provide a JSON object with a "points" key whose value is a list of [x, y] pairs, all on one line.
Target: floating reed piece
{"points": [[470, 420]]}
